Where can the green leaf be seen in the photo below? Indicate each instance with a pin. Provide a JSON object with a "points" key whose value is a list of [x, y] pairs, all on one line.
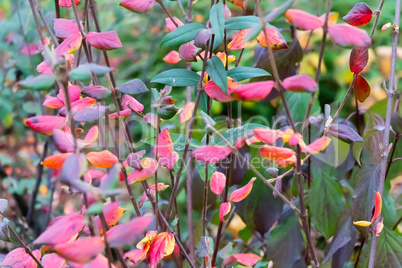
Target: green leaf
{"points": [[84, 71], [276, 12], [135, 86], [217, 20], [327, 201], [177, 78], [207, 119], [182, 34], [234, 133], [95, 208], [298, 104], [253, 33], [357, 151], [40, 82], [242, 22], [216, 70], [388, 252], [242, 73], [167, 112]]}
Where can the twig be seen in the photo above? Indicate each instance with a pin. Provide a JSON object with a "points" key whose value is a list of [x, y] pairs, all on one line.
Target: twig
{"points": [[27, 250], [104, 229], [392, 155], [390, 98]]}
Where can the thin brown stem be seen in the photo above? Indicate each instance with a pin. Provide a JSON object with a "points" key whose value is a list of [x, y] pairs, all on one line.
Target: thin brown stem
{"points": [[27, 249], [107, 247]]}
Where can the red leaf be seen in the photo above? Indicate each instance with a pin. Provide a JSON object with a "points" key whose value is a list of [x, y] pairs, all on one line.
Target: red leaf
{"points": [[165, 144], [79, 251], [318, 145], [241, 193], [132, 103], [300, 83], [211, 154], [138, 6], [55, 161], [247, 259], [253, 91], [266, 135], [303, 20], [65, 28], [104, 40], [276, 153], [361, 88], [275, 39], [149, 166], [359, 15], [103, 159], [224, 210], [218, 181], [377, 206], [62, 230], [45, 124], [67, 3], [238, 40], [216, 93], [358, 59], [186, 114], [126, 233], [172, 57], [239, 3], [347, 35], [161, 246]]}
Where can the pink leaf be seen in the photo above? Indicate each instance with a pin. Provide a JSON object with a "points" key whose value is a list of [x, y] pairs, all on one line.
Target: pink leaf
{"points": [[300, 83], [172, 57], [53, 260], [247, 259], [65, 28], [104, 40], [67, 3], [126, 233], [29, 49], [241, 193], [74, 93], [79, 250], [69, 45], [132, 103], [218, 181], [13, 257], [170, 25], [165, 144], [27, 261], [138, 6], [149, 166], [169, 161], [112, 213], [266, 135], [276, 153], [161, 246], [211, 154], [63, 230], [188, 51], [124, 113], [92, 135], [359, 15], [253, 91], [303, 20], [150, 118], [52, 102], [216, 93], [347, 35], [45, 124], [224, 210]]}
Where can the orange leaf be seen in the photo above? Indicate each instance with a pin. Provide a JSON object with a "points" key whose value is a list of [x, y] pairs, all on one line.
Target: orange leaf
{"points": [[56, 160], [211, 154], [303, 20], [161, 246], [103, 159], [238, 40], [239, 3], [377, 206], [361, 88], [172, 57], [318, 145], [61, 229], [79, 251], [149, 166], [362, 223], [187, 112], [247, 259], [241, 193], [126, 233], [112, 213], [275, 38], [286, 162], [224, 210], [276, 153], [44, 124], [253, 91], [218, 181]]}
